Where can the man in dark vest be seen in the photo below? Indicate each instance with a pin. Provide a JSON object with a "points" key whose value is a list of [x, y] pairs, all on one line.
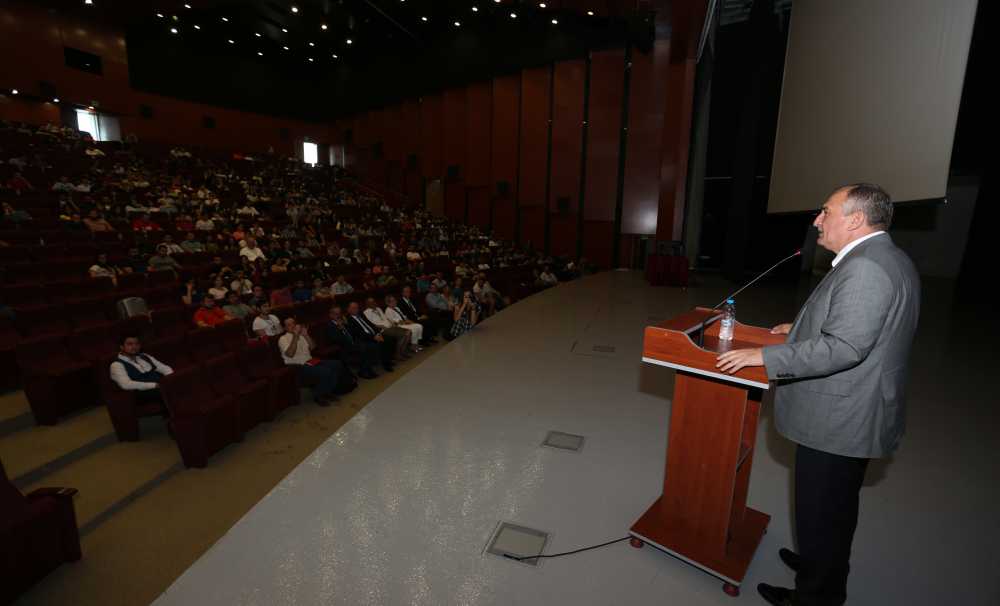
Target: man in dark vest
{"points": [[138, 372], [338, 333]]}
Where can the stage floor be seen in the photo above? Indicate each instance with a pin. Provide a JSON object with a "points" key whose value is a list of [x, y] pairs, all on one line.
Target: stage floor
{"points": [[397, 507]]}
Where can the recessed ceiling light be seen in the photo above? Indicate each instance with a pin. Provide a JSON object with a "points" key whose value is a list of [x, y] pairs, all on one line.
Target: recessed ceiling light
{"points": [[284, 30], [88, 2], [295, 9], [555, 22], [312, 44], [231, 41], [311, 59], [335, 56], [513, 15], [55, 99], [458, 24], [497, 1], [14, 91], [197, 27], [174, 17], [226, 19], [173, 30], [187, 6], [590, 13], [475, 9], [160, 15], [349, 41], [541, 5], [285, 47], [423, 18], [260, 54], [323, 27], [257, 34]]}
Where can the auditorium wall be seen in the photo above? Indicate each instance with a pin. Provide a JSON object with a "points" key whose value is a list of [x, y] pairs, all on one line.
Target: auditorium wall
{"points": [[32, 41], [535, 155]]}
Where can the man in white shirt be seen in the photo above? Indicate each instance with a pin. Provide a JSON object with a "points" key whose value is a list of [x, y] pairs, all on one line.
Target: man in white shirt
{"points": [[247, 210], [548, 278], [341, 287], [266, 324], [396, 318], [377, 317], [296, 350], [241, 284], [138, 372], [251, 251]]}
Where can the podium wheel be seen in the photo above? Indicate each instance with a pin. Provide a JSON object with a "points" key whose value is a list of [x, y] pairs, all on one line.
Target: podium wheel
{"points": [[731, 590], [637, 543]]}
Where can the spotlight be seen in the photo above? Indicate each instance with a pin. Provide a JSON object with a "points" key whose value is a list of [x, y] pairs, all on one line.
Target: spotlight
{"points": [[513, 15], [187, 6], [458, 24], [260, 54], [197, 27], [312, 44], [541, 5], [285, 47], [590, 13], [311, 59], [88, 2], [55, 99], [160, 15], [285, 30], [475, 9], [497, 1], [555, 22], [335, 56], [295, 9], [424, 19], [225, 19], [257, 34], [323, 27], [349, 41], [173, 30], [14, 91], [231, 41]]}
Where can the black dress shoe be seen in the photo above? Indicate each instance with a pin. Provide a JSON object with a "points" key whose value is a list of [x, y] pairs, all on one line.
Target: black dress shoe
{"points": [[790, 558], [323, 401], [779, 596]]}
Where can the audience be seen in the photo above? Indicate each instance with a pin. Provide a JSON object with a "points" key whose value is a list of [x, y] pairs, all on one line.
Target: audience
{"points": [[396, 319], [366, 351], [266, 324], [138, 372], [466, 316], [364, 331], [209, 315], [296, 349], [236, 308], [398, 335]]}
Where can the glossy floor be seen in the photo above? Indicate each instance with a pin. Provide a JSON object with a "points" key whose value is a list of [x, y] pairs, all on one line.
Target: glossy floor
{"points": [[397, 506]]}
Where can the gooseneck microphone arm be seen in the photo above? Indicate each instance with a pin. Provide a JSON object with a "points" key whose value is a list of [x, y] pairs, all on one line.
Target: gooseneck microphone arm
{"points": [[701, 328]]}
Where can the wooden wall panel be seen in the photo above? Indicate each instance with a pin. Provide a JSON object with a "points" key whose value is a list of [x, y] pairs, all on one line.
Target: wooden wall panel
{"points": [[607, 75], [598, 240], [431, 136], [454, 201], [455, 125], [504, 154], [535, 106], [479, 118], [479, 205], [567, 143], [533, 226], [648, 96]]}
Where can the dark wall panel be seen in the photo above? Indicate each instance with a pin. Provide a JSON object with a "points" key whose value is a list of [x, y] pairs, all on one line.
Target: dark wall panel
{"points": [[479, 116], [503, 158], [431, 136], [598, 240], [533, 226], [454, 201], [455, 128], [535, 88], [567, 144], [479, 205], [607, 74], [647, 101]]}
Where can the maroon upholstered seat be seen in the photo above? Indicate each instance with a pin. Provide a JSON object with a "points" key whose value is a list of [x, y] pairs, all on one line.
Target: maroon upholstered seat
{"points": [[258, 361], [54, 382], [37, 534], [9, 339], [123, 406], [43, 321], [203, 422], [252, 395], [172, 351], [233, 335]]}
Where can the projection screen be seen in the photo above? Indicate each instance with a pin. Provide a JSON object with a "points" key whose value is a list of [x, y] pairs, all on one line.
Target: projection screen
{"points": [[871, 93]]}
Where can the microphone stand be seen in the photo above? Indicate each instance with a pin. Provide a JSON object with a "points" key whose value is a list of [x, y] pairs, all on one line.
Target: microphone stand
{"points": [[701, 327]]}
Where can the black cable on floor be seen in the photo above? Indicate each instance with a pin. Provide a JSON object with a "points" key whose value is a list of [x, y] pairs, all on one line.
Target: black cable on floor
{"points": [[565, 553]]}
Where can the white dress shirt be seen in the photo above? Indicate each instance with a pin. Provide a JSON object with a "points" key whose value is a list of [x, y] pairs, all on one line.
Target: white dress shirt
{"points": [[252, 253], [376, 317], [395, 316], [120, 376], [302, 352], [850, 246], [271, 326]]}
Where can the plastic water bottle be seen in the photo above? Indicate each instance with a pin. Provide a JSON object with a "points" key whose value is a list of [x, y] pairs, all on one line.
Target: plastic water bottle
{"points": [[728, 321]]}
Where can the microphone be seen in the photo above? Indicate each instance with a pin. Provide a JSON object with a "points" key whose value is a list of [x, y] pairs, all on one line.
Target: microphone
{"points": [[701, 328]]}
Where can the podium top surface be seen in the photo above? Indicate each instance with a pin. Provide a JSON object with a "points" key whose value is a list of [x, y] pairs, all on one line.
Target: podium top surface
{"points": [[674, 343]]}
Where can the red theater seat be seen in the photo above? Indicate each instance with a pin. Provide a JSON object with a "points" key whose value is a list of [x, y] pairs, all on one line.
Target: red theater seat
{"points": [[261, 360], [232, 334], [43, 321], [172, 351], [37, 534], [54, 382], [9, 338], [251, 395], [123, 407], [203, 422]]}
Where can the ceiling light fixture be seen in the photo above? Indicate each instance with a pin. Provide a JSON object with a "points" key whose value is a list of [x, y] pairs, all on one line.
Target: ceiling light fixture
{"points": [[160, 15], [231, 41], [173, 30], [55, 99], [295, 9], [285, 30], [541, 5], [14, 91], [88, 2], [260, 54], [590, 13], [349, 41], [335, 56], [187, 6], [555, 22], [458, 24], [257, 34], [323, 27], [475, 9], [513, 15], [285, 47], [312, 44], [197, 27], [424, 19], [311, 59], [225, 19]]}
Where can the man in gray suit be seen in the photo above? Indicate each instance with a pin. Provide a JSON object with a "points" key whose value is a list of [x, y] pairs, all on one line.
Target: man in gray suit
{"points": [[840, 378]]}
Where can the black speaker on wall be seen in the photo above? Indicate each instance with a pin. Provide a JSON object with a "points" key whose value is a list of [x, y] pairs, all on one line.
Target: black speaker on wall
{"points": [[503, 188], [452, 173], [562, 204], [411, 162], [146, 111], [208, 122]]}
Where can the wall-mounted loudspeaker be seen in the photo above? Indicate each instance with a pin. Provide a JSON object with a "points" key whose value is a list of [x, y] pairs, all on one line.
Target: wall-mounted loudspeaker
{"points": [[503, 188]]}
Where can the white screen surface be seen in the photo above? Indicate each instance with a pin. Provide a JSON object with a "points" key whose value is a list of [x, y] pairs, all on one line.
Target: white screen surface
{"points": [[871, 93]]}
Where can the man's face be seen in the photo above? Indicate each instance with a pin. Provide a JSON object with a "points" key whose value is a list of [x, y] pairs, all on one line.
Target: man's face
{"points": [[131, 346], [406, 292], [336, 314], [234, 299], [352, 309], [209, 302], [289, 324], [370, 303], [836, 230]]}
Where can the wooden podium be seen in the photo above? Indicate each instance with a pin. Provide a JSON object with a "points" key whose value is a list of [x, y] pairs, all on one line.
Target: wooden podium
{"points": [[702, 517]]}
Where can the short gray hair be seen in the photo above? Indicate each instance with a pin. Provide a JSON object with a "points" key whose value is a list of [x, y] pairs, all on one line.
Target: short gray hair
{"points": [[871, 200]]}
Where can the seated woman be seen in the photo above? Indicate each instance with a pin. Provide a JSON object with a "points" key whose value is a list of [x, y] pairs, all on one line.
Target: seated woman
{"points": [[218, 291], [102, 269], [466, 315]]}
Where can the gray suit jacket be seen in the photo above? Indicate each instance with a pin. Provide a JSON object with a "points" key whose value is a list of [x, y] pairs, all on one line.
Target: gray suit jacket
{"points": [[841, 374]]}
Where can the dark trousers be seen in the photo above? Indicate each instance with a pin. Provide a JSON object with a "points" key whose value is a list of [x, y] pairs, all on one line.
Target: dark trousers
{"points": [[826, 514], [368, 353], [323, 376]]}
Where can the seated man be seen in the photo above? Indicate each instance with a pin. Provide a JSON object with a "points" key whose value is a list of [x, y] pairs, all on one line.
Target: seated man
{"points": [[396, 318], [209, 315], [363, 330], [266, 324], [408, 306], [138, 372], [399, 336], [258, 297], [191, 244], [341, 287], [439, 306], [281, 296], [96, 222], [296, 350], [236, 308], [367, 351], [548, 278], [301, 293]]}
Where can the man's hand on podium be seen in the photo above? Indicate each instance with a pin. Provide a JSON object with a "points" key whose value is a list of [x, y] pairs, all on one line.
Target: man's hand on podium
{"points": [[781, 329], [732, 361]]}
